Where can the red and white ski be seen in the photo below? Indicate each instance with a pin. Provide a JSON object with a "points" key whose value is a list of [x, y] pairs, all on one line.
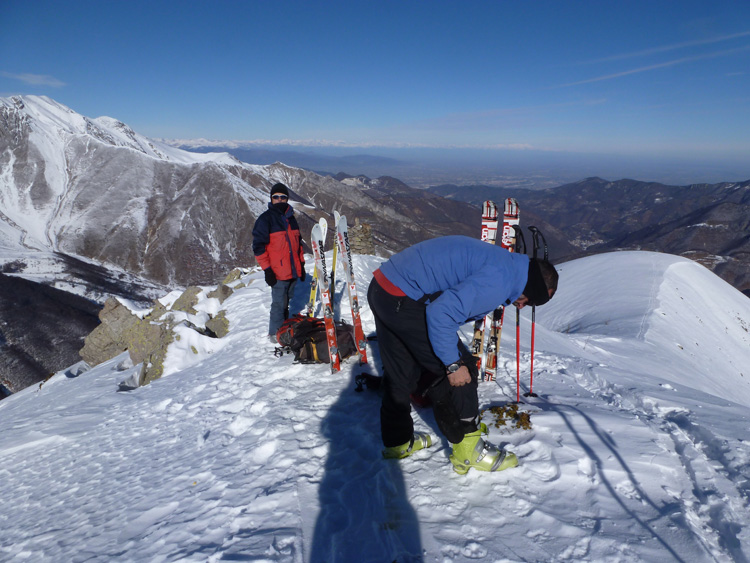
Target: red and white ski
{"points": [[511, 219], [489, 221], [316, 241], [345, 257], [481, 332]]}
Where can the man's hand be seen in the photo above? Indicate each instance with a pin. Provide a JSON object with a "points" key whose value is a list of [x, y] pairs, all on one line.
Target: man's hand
{"points": [[459, 377], [270, 277]]}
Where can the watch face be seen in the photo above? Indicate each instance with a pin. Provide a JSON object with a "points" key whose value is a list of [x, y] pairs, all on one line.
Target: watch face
{"points": [[453, 368]]}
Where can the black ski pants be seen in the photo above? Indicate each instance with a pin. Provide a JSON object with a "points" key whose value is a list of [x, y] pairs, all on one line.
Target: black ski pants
{"points": [[406, 353]]}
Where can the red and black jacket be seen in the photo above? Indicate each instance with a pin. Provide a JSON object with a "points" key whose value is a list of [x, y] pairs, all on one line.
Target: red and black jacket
{"points": [[277, 243]]}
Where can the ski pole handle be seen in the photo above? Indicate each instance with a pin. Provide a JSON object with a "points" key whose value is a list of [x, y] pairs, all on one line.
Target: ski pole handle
{"points": [[536, 233]]}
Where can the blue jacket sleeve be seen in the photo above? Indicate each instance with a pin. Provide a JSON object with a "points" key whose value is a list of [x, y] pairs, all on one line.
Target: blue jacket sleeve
{"points": [[469, 300], [261, 234], [445, 316]]}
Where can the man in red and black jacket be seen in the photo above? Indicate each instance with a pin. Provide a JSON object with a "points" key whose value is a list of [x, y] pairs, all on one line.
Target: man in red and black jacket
{"points": [[277, 246]]}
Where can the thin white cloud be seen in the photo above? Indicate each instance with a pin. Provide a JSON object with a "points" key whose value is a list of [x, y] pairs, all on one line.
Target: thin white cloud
{"points": [[489, 118], [35, 79], [683, 60], [323, 143], [667, 48]]}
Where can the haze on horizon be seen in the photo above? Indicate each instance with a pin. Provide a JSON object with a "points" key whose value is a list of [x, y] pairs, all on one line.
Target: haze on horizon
{"points": [[483, 90]]}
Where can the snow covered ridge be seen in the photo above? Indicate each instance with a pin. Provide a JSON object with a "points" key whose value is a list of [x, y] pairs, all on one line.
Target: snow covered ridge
{"points": [[48, 118], [638, 450], [97, 189]]}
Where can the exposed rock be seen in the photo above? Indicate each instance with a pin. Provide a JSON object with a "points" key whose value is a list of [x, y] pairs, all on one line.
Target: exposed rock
{"points": [[111, 336], [147, 340], [233, 276], [221, 292], [157, 312], [148, 343], [153, 347], [219, 324], [360, 238], [188, 300]]}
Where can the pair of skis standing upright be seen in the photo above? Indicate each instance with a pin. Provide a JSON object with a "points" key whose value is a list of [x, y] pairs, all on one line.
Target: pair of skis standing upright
{"points": [[487, 331], [325, 286]]}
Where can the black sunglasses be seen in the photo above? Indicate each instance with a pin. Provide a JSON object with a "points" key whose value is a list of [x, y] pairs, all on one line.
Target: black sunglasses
{"points": [[279, 197]]}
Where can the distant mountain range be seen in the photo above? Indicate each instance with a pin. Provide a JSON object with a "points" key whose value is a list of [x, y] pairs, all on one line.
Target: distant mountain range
{"points": [[709, 223], [319, 163]]}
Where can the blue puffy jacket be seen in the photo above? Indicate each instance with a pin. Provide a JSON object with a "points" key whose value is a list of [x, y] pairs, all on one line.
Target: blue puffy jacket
{"points": [[473, 276]]}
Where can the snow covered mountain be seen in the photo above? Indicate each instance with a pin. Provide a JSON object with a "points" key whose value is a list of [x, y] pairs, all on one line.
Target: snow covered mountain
{"points": [[638, 449], [94, 188]]}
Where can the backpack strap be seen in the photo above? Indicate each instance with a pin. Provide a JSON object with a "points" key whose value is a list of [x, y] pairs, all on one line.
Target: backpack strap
{"points": [[429, 297]]}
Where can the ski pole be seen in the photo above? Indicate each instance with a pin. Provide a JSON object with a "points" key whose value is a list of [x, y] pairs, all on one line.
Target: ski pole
{"points": [[518, 355], [535, 245], [536, 233], [533, 341], [520, 247]]}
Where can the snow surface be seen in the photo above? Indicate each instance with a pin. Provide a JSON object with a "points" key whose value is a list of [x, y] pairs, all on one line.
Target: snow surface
{"points": [[638, 448]]}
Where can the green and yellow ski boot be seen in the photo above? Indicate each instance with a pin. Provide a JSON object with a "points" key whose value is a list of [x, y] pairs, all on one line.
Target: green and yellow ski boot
{"points": [[418, 442], [474, 452]]}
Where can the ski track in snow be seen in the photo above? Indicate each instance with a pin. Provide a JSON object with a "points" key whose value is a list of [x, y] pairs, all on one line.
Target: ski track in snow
{"points": [[246, 456]]}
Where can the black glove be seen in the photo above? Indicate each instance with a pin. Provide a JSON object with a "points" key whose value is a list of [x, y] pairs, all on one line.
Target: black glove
{"points": [[303, 275], [270, 277]]}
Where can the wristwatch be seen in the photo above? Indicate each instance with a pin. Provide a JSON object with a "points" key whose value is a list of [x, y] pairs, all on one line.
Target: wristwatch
{"points": [[454, 367]]}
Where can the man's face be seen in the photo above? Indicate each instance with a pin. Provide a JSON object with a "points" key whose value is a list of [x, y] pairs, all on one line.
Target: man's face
{"points": [[522, 301]]}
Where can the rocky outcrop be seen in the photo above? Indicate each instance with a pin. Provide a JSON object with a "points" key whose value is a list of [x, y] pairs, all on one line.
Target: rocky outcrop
{"points": [[360, 238], [188, 300], [147, 339], [221, 292], [219, 324], [112, 336]]}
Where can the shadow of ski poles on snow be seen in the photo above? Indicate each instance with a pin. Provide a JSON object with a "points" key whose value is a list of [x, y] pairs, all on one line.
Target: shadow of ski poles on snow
{"points": [[544, 405]]}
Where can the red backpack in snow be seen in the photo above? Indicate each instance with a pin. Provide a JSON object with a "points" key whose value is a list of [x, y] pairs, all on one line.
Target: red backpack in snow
{"points": [[305, 337]]}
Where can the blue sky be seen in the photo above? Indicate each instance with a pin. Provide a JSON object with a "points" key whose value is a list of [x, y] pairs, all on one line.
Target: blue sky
{"points": [[656, 78]]}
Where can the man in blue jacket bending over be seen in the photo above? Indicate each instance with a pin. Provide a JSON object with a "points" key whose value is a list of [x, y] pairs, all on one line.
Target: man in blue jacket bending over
{"points": [[420, 298]]}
